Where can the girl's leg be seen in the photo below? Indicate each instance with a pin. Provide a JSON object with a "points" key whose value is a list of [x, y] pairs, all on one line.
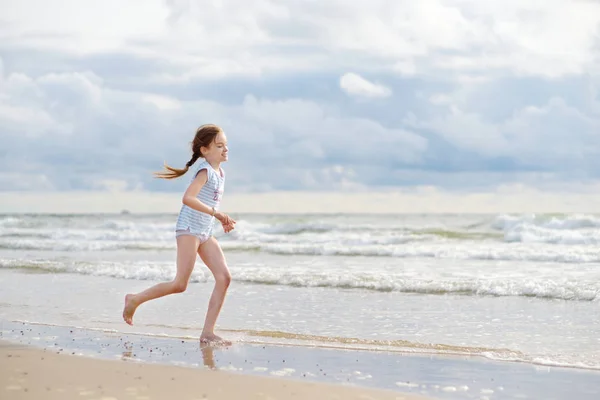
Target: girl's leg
{"points": [[187, 246], [211, 254]]}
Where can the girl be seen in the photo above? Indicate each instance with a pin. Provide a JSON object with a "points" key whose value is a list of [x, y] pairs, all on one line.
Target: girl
{"points": [[194, 228]]}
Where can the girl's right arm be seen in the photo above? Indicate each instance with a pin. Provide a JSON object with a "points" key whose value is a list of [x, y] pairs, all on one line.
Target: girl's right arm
{"points": [[190, 198]]}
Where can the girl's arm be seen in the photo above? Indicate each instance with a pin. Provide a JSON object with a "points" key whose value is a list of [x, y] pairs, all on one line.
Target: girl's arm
{"points": [[190, 198]]}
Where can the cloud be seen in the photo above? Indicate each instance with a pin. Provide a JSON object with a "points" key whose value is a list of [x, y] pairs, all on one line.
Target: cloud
{"points": [[355, 85], [233, 37], [463, 94], [70, 25], [554, 136], [95, 135], [162, 102]]}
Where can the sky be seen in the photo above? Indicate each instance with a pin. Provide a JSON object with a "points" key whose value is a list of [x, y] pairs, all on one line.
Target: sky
{"points": [[433, 102]]}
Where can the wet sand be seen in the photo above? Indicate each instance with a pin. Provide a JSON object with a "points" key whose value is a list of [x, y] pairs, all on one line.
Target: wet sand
{"points": [[107, 364], [34, 373]]}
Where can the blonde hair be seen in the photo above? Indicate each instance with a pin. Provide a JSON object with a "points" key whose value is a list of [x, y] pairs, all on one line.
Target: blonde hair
{"points": [[205, 135]]}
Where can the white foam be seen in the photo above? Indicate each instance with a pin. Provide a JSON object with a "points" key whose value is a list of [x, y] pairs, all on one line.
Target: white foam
{"points": [[536, 234], [568, 229], [553, 281], [573, 221], [283, 372], [461, 251], [571, 238], [9, 221]]}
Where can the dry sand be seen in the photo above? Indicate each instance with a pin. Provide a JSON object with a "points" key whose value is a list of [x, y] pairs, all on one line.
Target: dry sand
{"points": [[33, 373]]}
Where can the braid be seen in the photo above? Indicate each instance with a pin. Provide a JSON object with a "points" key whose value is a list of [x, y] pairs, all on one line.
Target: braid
{"points": [[194, 158]]}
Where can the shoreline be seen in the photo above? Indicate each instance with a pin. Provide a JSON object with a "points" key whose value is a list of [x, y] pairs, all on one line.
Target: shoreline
{"points": [[422, 352], [402, 376], [27, 372]]}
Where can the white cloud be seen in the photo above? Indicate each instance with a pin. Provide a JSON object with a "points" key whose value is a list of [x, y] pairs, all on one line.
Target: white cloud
{"points": [[440, 98], [593, 93], [405, 67], [20, 111], [162, 102], [297, 139], [28, 122], [542, 136], [355, 85], [116, 88], [549, 38], [353, 139], [81, 27]]}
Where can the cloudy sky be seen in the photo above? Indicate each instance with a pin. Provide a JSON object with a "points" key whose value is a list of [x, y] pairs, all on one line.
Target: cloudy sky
{"points": [[353, 96]]}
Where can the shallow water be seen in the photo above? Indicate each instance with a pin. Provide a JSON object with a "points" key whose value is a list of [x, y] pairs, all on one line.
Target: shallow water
{"points": [[522, 288], [441, 377]]}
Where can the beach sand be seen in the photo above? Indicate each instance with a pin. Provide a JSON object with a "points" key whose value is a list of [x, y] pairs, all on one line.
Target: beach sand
{"points": [[33, 373], [44, 361]]}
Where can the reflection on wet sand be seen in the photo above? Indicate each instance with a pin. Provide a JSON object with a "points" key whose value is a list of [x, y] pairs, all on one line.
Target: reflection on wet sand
{"points": [[128, 352], [208, 355]]}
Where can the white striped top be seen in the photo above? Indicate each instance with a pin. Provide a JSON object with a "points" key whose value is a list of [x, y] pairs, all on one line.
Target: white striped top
{"points": [[211, 193]]}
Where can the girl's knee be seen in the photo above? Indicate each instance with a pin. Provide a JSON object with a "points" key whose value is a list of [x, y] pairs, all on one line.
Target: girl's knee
{"points": [[179, 286], [224, 278]]}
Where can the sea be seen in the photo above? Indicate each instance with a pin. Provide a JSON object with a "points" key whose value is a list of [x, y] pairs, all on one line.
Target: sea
{"points": [[521, 288]]}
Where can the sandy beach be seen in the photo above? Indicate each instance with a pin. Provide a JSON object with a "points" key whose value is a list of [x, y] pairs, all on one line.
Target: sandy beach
{"points": [[54, 362], [33, 373]]}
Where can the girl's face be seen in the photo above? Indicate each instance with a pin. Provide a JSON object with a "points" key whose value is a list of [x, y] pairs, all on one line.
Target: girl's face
{"points": [[217, 151]]}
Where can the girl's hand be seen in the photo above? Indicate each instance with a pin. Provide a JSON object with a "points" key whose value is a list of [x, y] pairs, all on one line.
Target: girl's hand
{"points": [[229, 227], [227, 222]]}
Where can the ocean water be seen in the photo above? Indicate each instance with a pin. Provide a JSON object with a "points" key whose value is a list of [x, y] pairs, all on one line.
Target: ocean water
{"points": [[515, 288]]}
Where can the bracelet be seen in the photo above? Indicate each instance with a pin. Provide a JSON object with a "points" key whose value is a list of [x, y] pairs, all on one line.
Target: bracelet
{"points": [[213, 212]]}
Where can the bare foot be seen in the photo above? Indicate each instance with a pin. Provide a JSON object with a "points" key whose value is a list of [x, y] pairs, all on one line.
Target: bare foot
{"points": [[213, 339], [129, 309]]}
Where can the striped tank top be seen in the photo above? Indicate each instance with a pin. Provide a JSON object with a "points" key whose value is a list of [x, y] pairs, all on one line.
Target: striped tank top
{"points": [[211, 193]]}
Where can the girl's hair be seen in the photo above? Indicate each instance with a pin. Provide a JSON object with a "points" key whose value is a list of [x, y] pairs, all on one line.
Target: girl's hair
{"points": [[205, 135]]}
